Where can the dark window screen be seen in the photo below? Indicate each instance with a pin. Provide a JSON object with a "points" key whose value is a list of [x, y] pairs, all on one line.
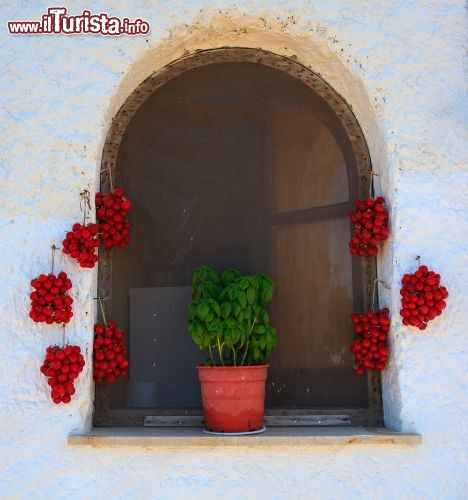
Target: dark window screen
{"points": [[238, 165]]}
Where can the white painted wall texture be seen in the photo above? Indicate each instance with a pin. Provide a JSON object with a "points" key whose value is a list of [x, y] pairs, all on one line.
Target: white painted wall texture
{"points": [[399, 64]]}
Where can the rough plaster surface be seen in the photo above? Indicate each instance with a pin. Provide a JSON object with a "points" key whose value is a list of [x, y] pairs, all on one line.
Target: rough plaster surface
{"points": [[399, 64]]}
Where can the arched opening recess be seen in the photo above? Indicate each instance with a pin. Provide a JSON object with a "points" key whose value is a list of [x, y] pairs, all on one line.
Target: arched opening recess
{"points": [[247, 159]]}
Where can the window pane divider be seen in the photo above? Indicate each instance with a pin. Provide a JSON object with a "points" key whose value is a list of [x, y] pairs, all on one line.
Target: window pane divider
{"points": [[298, 216]]}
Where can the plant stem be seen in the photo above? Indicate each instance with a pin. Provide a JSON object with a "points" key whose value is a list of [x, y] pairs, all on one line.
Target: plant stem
{"points": [[245, 352], [220, 350], [211, 355], [248, 340]]}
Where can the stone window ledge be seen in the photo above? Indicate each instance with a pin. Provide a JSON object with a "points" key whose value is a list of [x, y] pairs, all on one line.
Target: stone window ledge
{"points": [[188, 437]]}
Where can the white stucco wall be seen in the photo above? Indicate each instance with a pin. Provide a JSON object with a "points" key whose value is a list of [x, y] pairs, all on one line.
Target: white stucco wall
{"points": [[399, 64]]}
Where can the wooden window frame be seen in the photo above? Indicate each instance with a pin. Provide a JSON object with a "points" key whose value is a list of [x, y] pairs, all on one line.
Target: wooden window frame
{"points": [[359, 167]]}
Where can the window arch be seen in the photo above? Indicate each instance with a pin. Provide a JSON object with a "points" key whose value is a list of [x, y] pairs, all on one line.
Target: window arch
{"points": [[238, 158]]}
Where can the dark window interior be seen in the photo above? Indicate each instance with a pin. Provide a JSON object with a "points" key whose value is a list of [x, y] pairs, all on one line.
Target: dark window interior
{"points": [[238, 165]]}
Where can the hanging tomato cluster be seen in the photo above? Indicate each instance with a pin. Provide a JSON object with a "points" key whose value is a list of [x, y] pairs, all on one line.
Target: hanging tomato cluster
{"points": [[422, 297], [111, 210], [370, 347], [81, 244], [109, 353], [370, 220], [50, 302], [61, 366]]}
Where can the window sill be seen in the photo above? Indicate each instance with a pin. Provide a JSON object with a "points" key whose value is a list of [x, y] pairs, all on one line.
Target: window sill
{"points": [[187, 437]]}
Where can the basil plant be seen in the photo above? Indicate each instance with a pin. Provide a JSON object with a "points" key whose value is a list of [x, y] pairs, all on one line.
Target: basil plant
{"points": [[227, 316]]}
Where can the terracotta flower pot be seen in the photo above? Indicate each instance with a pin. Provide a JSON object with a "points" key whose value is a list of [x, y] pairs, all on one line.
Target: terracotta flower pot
{"points": [[233, 397]]}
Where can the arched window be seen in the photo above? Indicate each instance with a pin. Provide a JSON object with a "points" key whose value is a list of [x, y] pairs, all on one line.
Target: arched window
{"points": [[238, 158]]}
